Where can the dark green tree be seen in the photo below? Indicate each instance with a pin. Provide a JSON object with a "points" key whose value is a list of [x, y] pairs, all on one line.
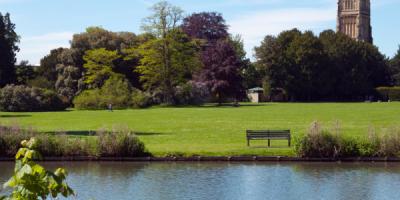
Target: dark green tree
{"points": [[251, 76], [24, 72], [8, 49], [395, 68], [47, 71], [331, 67]]}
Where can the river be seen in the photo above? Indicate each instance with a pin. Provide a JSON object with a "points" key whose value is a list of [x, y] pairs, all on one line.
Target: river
{"points": [[228, 181]]}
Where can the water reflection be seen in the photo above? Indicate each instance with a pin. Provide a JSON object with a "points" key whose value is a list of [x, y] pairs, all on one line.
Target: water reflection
{"points": [[230, 181]]}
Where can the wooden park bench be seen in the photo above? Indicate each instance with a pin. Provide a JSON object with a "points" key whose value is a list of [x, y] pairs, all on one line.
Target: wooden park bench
{"points": [[268, 135]]}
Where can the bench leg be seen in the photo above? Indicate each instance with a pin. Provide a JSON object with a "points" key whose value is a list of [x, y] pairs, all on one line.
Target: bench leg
{"points": [[269, 143], [289, 142], [248, 142]]}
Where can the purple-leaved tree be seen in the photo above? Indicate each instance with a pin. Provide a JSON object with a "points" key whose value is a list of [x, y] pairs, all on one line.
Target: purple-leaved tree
{"points": [[208, 26], [221, 71]]}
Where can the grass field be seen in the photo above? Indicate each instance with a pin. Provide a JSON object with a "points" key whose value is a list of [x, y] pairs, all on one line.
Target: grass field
{"points": [[210, 130]]}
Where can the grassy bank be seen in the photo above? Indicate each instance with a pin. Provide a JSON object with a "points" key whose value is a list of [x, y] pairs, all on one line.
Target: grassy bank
{"points": [[211, 130]]}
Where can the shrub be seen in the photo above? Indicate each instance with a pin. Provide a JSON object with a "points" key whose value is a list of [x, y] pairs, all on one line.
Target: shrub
{"points": [[140, 99], [191, 93], [90, 100], [19, 98], [120, 143], [389, 93], [115, 91], [318, 143]]}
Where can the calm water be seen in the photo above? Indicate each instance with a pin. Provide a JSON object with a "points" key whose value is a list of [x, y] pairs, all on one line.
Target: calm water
{"points": [[230, 181]]}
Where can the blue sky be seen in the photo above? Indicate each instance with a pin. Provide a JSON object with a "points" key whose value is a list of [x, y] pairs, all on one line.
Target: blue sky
{"points": [[48, 24]]}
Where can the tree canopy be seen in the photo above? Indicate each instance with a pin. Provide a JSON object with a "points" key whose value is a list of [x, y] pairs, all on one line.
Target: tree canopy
{"points": [[8, 48], [329, 67], [395, 68], [208, 26]]}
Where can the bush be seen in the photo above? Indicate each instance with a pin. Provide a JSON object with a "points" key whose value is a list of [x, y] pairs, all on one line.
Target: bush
{"points": [[141, 99], [191, 93], [115, 91], [19, 98], [120, 143], [389, 93], [318, 143], [90, 100]]}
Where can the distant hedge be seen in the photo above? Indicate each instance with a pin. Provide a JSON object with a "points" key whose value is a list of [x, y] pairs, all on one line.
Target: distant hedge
{"points": [[20, 98], [390, 93]]}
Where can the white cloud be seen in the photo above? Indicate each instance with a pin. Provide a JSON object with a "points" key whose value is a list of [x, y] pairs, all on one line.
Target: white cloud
{"points": [[255, 26], [33, 48]]}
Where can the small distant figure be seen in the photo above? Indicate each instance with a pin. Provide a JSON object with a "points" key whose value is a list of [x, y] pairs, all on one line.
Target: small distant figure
{"points": [[110, 107]]}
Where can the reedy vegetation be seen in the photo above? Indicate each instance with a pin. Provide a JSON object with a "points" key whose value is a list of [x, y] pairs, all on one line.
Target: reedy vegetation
{"points": [[325, 143], [116, 143]]}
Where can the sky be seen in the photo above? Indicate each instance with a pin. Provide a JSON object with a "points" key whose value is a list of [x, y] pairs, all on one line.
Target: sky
{"points": [[47, 24]]}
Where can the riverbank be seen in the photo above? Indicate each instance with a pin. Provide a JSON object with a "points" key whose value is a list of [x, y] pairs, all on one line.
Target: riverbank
{"points": [[212, 159]]}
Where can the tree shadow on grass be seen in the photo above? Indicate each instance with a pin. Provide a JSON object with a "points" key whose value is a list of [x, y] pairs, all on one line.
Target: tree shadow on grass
{"points": [[14, 116], [72, 133], [224, 105], [92, 133]]}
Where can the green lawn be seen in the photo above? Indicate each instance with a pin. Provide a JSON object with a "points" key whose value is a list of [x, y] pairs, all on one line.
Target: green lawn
{"points": [[211, 130]]}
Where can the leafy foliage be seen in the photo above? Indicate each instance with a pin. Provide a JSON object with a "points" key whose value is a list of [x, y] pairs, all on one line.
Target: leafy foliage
{"points": [[395, 68], [167, 63], [47, 74], [329, 67], [207, 26], [221, 71], [69, 79], [116, 91], [99, 66], [23, 98], [31, 181], [8, 50], [24, 72], [389, 93]]}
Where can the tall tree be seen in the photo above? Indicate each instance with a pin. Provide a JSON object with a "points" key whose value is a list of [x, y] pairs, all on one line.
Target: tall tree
{"points": [[47, 71], [395, 68], [221, 71], [170, 56], [69, 80], [208, 26], [8, 49], [183, 60], [251, 76]]}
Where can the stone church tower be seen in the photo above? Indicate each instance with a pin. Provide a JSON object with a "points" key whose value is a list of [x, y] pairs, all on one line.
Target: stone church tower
{"points": [[354, 19]]}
